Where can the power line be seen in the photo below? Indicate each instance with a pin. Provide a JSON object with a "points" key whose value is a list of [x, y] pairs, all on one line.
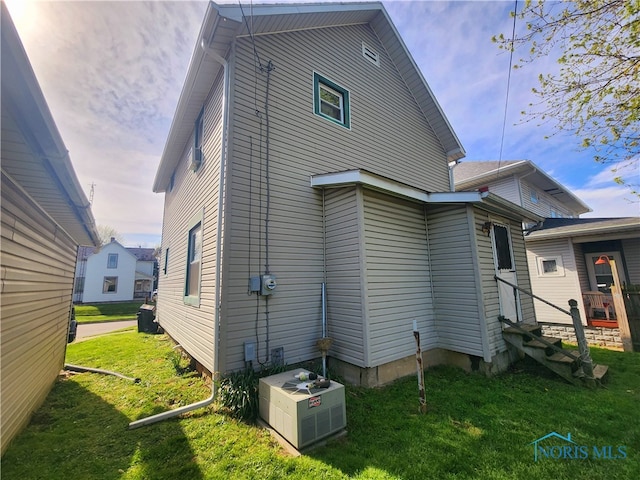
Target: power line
{"points": [[506, 101]]}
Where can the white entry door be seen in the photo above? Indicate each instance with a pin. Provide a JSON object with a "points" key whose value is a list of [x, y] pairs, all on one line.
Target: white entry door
{"points": [[506, 270]]}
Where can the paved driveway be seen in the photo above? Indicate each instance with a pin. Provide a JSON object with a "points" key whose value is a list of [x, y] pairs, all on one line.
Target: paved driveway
{"points": [[87, 330]]}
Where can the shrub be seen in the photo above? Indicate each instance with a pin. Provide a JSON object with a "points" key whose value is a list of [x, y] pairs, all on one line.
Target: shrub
{"points": [[238, 392]]}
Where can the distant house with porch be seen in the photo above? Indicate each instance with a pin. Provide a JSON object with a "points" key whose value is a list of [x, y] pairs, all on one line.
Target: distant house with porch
{"points": [[45, 217], [114, 273], [562, 249], [326, 165]]}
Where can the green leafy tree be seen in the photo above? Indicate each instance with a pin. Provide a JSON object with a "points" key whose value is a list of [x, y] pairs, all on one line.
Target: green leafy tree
{"points": [[596, 92]]}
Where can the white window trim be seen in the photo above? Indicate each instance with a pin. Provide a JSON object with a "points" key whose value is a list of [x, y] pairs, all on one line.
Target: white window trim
{"points": [[559, 265], [109, 257]]}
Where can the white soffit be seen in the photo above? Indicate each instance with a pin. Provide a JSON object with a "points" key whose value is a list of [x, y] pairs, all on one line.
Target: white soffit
{"points": [[362, 177]]}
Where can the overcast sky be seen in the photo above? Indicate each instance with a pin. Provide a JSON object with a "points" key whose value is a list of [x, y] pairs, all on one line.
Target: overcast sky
{"points": [[112, 73]]}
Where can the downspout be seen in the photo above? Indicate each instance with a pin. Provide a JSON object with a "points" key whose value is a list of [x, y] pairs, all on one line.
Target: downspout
{"points": [[223, 160]]}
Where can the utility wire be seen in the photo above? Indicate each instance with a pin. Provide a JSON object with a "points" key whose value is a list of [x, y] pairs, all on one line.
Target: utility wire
{"points": [[506, 101]]}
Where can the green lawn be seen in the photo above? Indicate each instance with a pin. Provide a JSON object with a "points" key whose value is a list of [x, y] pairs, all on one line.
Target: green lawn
{"points": [[107, 312], [475, 428]]}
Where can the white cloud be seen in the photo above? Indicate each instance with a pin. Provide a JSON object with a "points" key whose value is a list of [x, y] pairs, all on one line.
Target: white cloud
{"points": [[112, 73], [608, 199]]}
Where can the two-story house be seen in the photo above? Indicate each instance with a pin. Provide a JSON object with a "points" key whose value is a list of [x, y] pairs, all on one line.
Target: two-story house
{"points": [[307, 149], [45, 216], [114, 273], [562, 250]]}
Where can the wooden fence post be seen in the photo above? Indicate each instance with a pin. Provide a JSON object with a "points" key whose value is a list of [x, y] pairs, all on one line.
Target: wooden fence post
{"points": [[583, 347]]}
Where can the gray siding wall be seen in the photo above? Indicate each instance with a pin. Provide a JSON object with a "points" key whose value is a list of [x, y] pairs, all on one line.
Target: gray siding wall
{"points": [[631, 249], [397, 277], [507, 188], [388, 136], [581, 267], [346, 291], [193, 193], [457, 296], [522, 272], [557, 289], [545, 203], [38, 261]]}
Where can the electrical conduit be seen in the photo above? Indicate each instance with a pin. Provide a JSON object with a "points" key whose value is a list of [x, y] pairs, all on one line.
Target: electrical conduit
{"points": [[223, 160]]}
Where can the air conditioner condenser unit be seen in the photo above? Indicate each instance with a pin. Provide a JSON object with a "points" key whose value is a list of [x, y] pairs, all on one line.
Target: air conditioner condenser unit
{"points": [[301, 415]]}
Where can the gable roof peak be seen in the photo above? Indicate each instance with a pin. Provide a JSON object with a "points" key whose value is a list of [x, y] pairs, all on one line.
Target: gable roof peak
{"points": [[224, 23]]}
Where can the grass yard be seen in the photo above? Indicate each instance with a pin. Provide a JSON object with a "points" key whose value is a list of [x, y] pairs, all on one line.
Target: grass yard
{"points": [[476, 427], [107, 312]]}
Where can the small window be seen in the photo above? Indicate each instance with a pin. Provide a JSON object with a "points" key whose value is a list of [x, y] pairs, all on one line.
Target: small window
{"points": [[110, 285], [550, 267], [199, 130], [534, 196], [194, 261], [196, 153], [503, 247], [112, 260], [331, 101], [370, 54], [166, 261]]}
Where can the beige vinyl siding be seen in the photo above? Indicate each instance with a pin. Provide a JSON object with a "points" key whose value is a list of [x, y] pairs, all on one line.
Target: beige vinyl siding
{"points": [[581, 267], [397, 277], [527, 309], [38, 261], [457, 297], [489, 285], [555, 289], [193, 193], [631, 249], [345, 289], [388, 136]]}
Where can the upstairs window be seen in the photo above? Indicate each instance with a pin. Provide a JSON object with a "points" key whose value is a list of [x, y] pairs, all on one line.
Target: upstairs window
{"points": [[331, 101], [196, 152], [112, 260], [534, 196]]}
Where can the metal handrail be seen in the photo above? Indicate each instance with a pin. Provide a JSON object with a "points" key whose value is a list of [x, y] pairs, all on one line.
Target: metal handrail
{"points": [[515, 287]]}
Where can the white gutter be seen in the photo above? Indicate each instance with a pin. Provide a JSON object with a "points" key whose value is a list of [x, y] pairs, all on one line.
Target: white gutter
{"points": [[223, 160]]}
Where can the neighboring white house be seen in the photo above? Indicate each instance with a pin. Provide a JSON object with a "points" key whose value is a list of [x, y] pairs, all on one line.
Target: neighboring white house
{"points": [[114, 273], [523, 183], [45, 216]]}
